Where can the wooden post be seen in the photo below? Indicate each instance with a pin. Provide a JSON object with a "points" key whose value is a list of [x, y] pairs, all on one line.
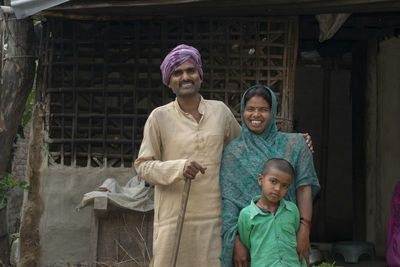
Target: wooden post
{"points": [[371, 135], [327, 67], [100, 207]]}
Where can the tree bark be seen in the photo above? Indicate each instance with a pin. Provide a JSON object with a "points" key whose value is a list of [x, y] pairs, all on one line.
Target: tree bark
{"points": [[15, 85]]}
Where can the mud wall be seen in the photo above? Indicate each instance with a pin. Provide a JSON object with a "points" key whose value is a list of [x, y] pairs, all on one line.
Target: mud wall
{"points": [[65, 231], [53, 232]]}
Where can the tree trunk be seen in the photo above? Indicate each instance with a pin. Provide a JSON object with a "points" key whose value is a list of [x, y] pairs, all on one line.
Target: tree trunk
{"points": [[16, 84], [17, 80]]}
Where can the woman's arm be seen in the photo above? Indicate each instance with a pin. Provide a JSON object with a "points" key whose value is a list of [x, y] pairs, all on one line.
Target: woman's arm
{"points": [[304, 204], [240, 253], [232, 243], [307, 186], [242, 240]]}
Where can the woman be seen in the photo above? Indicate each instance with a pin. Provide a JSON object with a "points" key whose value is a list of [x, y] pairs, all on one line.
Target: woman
{"points": [[242, 161]]}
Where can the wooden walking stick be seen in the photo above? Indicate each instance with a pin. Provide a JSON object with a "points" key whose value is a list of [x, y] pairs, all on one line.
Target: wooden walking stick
{"points": [[179, 226]]}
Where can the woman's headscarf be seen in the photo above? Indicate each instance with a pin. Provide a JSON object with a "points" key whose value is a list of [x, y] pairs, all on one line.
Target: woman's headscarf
{"points": [[242, 162], [177, 57]]}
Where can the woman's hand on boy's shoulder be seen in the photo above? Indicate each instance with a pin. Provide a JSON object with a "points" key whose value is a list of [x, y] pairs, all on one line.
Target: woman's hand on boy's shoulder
{"points": [[307, 137]]}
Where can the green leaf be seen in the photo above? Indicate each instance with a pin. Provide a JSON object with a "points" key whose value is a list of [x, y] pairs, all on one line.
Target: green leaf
{"points": [[27, 118], [8, 183]]}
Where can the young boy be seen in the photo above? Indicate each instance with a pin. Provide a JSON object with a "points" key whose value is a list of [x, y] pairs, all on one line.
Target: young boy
{"points": [[268, 226]]}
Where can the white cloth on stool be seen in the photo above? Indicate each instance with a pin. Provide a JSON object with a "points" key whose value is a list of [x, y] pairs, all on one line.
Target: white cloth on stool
{"points": [[135, 195]]}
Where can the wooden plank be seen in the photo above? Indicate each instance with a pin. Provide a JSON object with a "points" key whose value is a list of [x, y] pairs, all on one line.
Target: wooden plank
{"points": [[219, 4], [94, 232], [100, 206], [147, 10]]}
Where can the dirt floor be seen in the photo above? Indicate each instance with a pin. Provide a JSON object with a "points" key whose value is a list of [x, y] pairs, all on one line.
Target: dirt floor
{"points": [[365, 263]]}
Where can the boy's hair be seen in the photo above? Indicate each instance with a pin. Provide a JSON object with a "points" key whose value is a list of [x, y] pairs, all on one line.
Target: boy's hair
{"points": [[279, 164]]}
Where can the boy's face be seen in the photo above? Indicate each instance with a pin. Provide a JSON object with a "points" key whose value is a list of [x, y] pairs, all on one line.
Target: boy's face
{"points": [[274, 185]]}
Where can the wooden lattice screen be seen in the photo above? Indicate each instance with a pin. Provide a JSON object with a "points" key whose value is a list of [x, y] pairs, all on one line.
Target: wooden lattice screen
{"points": [[102, 78]]}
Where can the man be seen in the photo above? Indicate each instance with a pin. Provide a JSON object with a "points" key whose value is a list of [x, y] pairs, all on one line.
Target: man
{"points": [[184, 140]]}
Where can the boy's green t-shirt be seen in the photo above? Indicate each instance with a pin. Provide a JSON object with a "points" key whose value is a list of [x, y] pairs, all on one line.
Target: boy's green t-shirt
{"points": [[271, 238]]}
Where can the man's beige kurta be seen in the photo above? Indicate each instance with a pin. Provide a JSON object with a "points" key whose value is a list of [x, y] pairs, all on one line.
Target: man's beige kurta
{"points": [[172, 136]]}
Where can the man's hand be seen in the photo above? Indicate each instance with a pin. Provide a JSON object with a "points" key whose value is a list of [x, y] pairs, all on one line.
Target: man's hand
{"points": [[303, 243], [191, 169], [308, 141], [240, 254]]}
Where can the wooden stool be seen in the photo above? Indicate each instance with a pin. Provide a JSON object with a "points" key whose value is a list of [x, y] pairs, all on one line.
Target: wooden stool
{"points": [[120, 236], [352, 250]]}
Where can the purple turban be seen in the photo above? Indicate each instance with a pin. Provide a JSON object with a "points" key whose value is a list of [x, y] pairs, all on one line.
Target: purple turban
{"points": [[177, 57]]}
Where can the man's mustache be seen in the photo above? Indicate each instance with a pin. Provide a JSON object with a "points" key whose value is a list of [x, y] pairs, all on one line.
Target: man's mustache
{"points": [[186, 81]]}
